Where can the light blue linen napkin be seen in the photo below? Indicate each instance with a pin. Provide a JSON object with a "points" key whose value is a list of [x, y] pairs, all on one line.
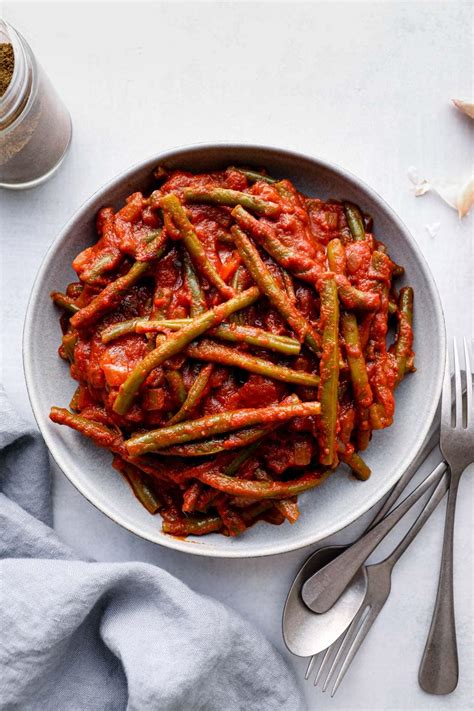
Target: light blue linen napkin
{"points": [[86, 636]]}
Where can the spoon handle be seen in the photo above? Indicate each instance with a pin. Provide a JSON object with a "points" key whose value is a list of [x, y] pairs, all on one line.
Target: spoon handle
{"points": [[432, 443], [426, 512], [323, 588]]}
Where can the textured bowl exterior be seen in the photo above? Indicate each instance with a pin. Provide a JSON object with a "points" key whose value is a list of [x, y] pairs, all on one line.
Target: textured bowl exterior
{"points": [[342, 499]]}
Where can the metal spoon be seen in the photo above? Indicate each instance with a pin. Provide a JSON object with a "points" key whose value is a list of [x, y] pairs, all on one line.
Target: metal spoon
{"points": [[322, 589], [306, 633]]}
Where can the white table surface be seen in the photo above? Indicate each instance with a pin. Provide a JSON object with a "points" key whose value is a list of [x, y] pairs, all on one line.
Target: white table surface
{"points": [[366, 85]]}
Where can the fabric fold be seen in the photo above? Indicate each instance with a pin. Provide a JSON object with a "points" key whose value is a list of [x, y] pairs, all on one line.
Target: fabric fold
{"points": [[87, 636]]}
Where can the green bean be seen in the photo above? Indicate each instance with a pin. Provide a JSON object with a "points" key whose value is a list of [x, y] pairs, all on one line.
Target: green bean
{"points": [[253, 510], [233, 333], [175, 343], [69, 341], [259, 489], [289, 286], [224, 237], [176, 383], [212, 352], [216, 444], [248, 450], [191, 497], [254, 176], [410, 364], [404, 338], [231, 198], [336, 255], [152, 236], [74, 404], [291, 196], [237, 285], [172, 206], [357, 464], [397, 271], [360, 382], [109, 297], [192, 526], [155, 242], [198, 300], [64, 302], [233, 521], [355, 221], [364, 432], [356, 360], [378, 417], [293, 261], [161, 300], [268, 285], [329, 370], [145, 495], [248, 438], [243, 455], [289, 508], [101, 265], [282, 187], [196, 391], [217, 424], [351, 297], [115, 330], [256, 337], [102, 436]]}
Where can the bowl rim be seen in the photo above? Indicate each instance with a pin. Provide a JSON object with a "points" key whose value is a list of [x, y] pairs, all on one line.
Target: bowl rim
{"points": [[183, 545]]}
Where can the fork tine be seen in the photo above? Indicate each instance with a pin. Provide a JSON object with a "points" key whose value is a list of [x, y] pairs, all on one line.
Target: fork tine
{"points": [[310, 666], [457, 387], [361, 634], [347, 640], [469, 408], [446, 401], [325, 660]]}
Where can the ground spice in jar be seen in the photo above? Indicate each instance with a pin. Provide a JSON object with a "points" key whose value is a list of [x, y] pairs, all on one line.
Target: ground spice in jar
{"points": [[35, 126], [7, 64]]}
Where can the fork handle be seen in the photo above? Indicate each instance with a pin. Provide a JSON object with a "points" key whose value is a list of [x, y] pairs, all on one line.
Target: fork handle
{"points": [[439, 669], [323, 588]]}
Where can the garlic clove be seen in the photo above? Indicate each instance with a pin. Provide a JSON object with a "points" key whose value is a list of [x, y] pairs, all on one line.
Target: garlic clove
{"points": [[467, 107], [448, 190], [459, 196], [466, 198]]}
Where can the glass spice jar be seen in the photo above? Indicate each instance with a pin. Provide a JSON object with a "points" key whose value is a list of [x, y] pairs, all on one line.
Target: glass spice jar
{"points": [[35, 126]]}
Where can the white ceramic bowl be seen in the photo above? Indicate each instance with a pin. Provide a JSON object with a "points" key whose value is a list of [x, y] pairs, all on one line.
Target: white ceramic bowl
{"points": [[325, 510]]}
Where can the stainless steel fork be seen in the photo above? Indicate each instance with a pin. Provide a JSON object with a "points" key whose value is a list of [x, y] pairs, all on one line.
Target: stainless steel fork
{"points": [[331, 665], [439, 669]]}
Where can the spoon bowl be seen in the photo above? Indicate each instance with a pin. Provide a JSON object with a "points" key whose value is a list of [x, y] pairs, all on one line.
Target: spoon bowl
{"points": [[307, 633]]}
